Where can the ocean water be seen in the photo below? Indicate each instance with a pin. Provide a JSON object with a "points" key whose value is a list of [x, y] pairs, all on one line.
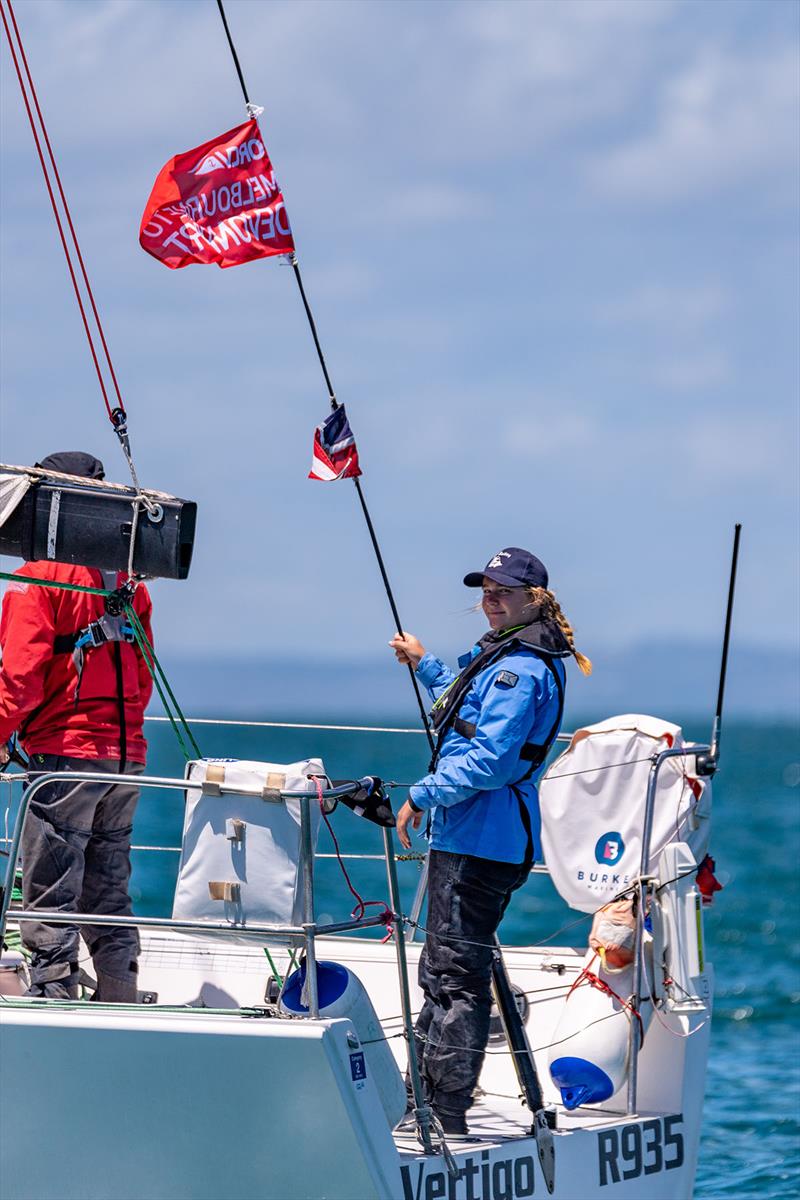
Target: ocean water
{"points": [[751, 1132]]}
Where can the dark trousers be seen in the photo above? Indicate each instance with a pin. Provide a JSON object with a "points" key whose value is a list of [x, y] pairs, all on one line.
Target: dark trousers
{"points": [[467, 897], [76, 858]]}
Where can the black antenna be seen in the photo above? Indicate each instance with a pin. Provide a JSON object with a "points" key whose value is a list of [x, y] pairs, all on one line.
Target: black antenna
{"points": [[712, 760]]}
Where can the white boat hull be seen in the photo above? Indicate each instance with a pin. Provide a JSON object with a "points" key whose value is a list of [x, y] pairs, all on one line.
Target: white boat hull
{"points": [[199, 1105]]}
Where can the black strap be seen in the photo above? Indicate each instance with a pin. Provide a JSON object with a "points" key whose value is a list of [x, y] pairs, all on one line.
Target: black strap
{"points": [[533, 752], [525, 817], [123, 729], [64, 643], [542, 751]]}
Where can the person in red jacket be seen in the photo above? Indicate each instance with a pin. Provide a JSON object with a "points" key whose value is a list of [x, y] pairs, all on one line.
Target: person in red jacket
{"points": [[73, 688]]}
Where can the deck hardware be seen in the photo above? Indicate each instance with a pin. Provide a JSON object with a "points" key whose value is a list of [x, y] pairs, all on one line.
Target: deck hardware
{"points": [[215, 778], [223, 890], [273, 787], [234, 829]]}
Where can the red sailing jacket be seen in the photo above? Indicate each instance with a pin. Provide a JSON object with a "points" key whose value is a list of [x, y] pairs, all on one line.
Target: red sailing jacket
{"points": [[37, 685]]}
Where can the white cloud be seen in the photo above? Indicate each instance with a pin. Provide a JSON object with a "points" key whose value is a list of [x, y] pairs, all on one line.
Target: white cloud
{"points": [[741, 451], [520, 75], [685, 306], [429, 204], [729, 116], [693, 372]]}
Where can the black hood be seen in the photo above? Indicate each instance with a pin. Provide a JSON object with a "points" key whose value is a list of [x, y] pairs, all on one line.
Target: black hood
{"points": [[73, 462]]}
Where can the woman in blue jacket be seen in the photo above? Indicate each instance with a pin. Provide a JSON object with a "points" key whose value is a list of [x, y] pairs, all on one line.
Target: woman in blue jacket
{"points": [[494, 722]]}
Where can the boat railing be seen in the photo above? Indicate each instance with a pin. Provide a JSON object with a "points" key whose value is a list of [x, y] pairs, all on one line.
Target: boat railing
{"points": [[305, 933], [308, 930]]}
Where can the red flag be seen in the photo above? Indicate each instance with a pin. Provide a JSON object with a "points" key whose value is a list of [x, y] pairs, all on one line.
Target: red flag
{"points": [[218, 203], [335, 455]]}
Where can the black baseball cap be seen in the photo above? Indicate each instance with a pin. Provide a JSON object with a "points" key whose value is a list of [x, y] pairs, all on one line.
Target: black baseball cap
{"points": [[513, 568], [74, 462]]}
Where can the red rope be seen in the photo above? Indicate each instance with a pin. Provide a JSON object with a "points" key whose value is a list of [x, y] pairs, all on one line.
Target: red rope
{"points": [[587, 976], [361, 905], [56, 214]]}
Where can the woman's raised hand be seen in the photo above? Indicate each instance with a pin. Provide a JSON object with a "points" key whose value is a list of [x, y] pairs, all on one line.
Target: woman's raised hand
{"points": [[408, 649]]}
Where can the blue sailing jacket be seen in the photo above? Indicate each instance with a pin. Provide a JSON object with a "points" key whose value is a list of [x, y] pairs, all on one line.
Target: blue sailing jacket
{"points": [[473, 792]]}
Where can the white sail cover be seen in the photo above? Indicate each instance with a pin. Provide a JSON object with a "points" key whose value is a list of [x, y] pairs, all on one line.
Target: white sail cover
{"points": [[241, 853], [12, 489], [593, 803]]}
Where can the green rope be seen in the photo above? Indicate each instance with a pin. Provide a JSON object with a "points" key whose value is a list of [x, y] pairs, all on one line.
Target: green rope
{"points": [[157, 670], [64, 587], [148, 653], [12, 936], [273, 968]]}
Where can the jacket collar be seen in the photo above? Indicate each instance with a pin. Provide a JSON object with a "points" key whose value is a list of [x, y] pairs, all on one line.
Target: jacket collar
{"points": [[544, 636]]}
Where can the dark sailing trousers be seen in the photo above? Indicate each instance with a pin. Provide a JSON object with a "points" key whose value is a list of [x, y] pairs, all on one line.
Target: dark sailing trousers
{"points": [[76, 858], [467, 898]]}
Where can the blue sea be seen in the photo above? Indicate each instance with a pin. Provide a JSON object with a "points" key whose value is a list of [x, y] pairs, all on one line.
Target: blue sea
{"points": [[750, 1144]]}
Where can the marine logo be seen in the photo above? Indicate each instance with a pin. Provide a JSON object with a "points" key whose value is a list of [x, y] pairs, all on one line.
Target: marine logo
{"points": [[609, 849]]}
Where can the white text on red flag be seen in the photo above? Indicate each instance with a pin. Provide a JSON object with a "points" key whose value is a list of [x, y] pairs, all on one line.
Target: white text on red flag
{"points": [[219, 203]]}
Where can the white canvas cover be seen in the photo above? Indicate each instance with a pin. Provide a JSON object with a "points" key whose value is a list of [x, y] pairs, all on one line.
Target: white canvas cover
{"points": [[593, 801], [250, 842]]}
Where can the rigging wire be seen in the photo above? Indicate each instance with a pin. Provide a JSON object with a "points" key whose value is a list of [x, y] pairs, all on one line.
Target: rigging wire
{"points": [[51, 194], [117, 415], [252, 110], [67, 213]]}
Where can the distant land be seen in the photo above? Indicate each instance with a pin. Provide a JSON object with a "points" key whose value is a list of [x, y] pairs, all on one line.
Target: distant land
{"points": [[668, 679]]}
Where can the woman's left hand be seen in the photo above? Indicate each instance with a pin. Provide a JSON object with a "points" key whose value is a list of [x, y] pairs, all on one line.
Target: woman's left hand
{"points": [[407, 817]]}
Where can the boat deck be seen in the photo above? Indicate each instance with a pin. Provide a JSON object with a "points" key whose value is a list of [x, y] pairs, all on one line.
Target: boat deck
{"points": [[496, 1120]]}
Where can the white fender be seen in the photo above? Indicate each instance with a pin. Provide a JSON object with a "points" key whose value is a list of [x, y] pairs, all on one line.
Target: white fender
{"points": [[589, 1057], [342, 994]]}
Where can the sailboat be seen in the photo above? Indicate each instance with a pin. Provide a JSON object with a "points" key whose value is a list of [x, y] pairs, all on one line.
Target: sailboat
{"points": [[268, 1056]]}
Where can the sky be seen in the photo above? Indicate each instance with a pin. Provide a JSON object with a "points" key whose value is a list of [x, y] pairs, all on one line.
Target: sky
{"points": [[552, 251]]}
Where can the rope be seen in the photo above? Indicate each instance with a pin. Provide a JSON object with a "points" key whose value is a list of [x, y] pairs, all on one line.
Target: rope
{"points": [[156, 670], [589, 976], [148, 653], [62, 587], [118, 415], [13, 938], [49, 186], [294, 725], [361, 904]]}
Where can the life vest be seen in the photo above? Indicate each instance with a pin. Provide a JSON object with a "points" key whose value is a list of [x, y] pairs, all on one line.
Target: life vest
{"points": [[546, 641], [112, 626]]}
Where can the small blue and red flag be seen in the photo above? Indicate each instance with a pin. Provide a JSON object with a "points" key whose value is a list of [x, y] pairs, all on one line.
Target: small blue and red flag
{"points": [[335, 455]]}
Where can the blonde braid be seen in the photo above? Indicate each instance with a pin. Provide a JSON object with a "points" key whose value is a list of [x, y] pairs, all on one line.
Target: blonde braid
{"points": [[550, 609]]}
